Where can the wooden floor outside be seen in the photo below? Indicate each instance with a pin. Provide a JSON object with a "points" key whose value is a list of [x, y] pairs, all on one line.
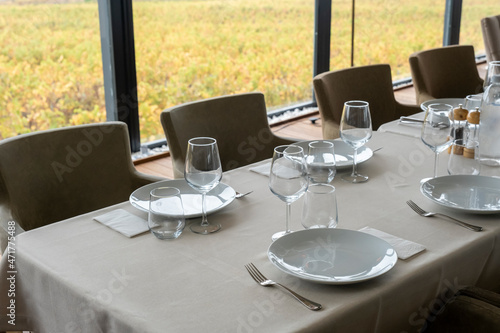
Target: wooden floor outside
{"points": [[301, 128]]}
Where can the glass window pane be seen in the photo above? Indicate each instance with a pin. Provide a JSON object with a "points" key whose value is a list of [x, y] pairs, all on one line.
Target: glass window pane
{"points": [[192, 50], [470, 28], [50, 66], [385, 32]]}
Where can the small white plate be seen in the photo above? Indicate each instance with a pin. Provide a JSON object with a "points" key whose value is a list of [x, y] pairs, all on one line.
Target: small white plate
{"points": [[344, 154], [451, 101], [473, 194], [216, 199], [332, 256]]}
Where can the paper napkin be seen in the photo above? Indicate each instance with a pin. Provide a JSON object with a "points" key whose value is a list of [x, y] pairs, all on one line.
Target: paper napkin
{"points": [[263, 169], [404, 248], [124, 222]]}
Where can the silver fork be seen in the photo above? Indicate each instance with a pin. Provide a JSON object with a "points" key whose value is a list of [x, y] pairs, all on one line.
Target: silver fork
{"points": [[263, 281], [422, 212]]}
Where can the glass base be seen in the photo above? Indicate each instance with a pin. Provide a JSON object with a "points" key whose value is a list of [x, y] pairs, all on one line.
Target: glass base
{"points": [[280, 234], [357, 178], [205, 230]]}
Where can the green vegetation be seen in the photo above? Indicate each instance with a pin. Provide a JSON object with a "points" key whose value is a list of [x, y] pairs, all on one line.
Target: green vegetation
{"points": [[51, 68]]}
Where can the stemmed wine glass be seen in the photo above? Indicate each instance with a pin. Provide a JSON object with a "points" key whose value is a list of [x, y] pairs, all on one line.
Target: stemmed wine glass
{"points": [[288, 178], [437, 129], [355, 130], [203, 172]]}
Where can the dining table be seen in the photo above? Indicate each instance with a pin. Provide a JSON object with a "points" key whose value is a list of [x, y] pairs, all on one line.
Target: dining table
{"points": [[79, 275]]}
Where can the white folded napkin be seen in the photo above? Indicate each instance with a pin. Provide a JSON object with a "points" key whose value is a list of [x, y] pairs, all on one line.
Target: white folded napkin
{"points": [[404, 248], [124, 222], [263, 169]]}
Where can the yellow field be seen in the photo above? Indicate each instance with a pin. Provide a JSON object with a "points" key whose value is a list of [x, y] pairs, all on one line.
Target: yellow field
{"points": [[51, 69]]}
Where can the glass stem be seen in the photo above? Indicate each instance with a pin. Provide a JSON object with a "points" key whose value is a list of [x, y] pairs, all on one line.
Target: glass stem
{"points": [[288, 213], [354, 170], [436, 154], [204, 220]]}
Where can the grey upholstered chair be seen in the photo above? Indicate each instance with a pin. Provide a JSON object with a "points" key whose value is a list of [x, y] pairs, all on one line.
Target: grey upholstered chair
{"points": [[490, 27], [238, 122], [445, 72], [52, 175], [371, 83]]}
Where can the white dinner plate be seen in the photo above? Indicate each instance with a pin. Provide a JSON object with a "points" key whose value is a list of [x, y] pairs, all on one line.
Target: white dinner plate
{"points": [[216, 199], [332, 256], [473, 194], [451, 101], [344, 154]]}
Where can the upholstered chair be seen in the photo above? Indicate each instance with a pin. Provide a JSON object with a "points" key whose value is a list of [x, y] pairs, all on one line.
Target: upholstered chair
{"points": [[445, 72], [471, 309], [371, 83], [52, 175], [238, 122], [490, 27]]}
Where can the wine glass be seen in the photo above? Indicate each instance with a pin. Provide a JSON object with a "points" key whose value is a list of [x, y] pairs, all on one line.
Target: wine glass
{"points": [[203, 172], [320, 161], [355, 130], [492, 74], [288, 178], [437, 129]]}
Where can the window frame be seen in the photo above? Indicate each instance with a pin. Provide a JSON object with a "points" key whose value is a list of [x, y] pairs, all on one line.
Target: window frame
{"points": [[119, 68]]}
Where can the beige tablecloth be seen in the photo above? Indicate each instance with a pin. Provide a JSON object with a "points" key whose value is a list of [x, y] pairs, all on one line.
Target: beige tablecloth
{"points": [[79, 275]]}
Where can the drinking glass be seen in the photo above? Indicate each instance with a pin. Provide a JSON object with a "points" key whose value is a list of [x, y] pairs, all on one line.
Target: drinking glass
{"points": [[203, 172], [166, 213], [437, 129], [355, 130], [473, 101], [288, 178], [464, 158], [320, 207], [492, 74], [320, 162]]}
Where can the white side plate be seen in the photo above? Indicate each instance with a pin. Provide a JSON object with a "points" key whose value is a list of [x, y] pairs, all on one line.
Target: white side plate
{"points": [[332, 256], [216, 199], [473, 194], [344, 154]]}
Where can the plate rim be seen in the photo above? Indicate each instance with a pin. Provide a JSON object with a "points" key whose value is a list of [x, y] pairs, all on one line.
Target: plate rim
{"points": [[462, 209], [347, 165], [189, 216], [423, 105], [334, 282]]}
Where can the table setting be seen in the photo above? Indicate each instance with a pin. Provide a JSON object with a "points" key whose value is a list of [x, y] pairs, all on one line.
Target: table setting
{"points": [[368, 263]]}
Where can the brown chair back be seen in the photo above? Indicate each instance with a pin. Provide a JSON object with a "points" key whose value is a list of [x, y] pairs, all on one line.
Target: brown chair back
{"points": [[372, 84], [445, 72], [53, 175], [238, 122], [490, 26]]}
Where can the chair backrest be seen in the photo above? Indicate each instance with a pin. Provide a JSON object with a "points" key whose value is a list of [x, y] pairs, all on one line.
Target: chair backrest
{"points": [[238, 122], [52, 175], [445, 72], [490, 27], [371, 83]]}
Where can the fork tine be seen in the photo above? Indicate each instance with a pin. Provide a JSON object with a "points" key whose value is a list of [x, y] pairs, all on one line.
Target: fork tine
{"points": [[415, 208], [259, 274], [252, 274]]}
